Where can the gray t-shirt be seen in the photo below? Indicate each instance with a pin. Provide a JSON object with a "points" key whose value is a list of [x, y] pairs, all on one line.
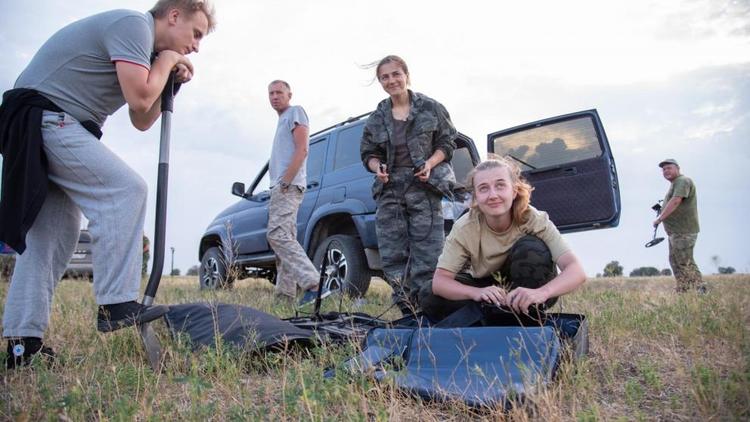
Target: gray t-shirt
{"points": [[283, 146], [75, 68]]}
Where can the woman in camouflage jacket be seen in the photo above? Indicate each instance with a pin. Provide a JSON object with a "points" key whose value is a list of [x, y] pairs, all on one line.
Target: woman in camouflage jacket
{"points": [[408, 142]]}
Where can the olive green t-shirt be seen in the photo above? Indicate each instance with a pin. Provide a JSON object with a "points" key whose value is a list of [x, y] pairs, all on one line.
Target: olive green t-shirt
{"points": [[684, 219], [472, 245]]}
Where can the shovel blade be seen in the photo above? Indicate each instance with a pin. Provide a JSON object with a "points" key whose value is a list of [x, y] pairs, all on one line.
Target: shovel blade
{"points": [[152, 346]]}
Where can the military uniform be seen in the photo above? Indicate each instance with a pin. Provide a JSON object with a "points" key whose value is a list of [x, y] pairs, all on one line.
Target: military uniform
{"points": [[682, 227], [409, 218]]}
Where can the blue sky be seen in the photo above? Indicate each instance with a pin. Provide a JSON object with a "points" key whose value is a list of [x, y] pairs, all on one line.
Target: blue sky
{"points": [[669, 79]]}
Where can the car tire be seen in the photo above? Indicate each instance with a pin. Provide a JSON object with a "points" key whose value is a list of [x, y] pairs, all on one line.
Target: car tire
{"points": [[213, 273], [346, 262]]}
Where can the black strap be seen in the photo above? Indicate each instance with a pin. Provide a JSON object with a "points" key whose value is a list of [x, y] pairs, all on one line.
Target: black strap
{"points": [[474, 314], [93, 128], [465, 316]]}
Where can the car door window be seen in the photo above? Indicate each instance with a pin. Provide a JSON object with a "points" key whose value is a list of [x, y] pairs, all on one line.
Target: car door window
{"points": [[462, 165], [347, 147], [568, 161], [316, 160], [552, 145]]}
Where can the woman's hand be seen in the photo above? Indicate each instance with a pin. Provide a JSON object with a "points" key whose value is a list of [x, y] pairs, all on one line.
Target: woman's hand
{"points": [[380, 169], [491, 294], [424, 174], [382, 173], [519, 299]]}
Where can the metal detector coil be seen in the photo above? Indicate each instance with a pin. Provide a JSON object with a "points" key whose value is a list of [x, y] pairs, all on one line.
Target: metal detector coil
{"points": [[655, 241]]}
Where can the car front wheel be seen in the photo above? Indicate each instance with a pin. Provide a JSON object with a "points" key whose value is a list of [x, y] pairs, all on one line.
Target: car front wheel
{"points": [[213, 273], [346, 264]]}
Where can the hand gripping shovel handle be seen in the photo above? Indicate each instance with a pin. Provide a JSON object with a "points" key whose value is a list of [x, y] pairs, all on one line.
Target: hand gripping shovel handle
{"points": [[148, 336]]}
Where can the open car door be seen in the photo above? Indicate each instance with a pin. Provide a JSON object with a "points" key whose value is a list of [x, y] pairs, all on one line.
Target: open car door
{"points": [[570, 164]]}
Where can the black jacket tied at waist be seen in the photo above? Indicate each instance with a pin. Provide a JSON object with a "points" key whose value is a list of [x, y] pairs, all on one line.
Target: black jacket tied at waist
{"points": [[24, 175]]}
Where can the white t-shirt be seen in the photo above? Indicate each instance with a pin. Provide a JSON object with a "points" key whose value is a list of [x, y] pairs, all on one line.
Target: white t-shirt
{"points": [[283, 147]]}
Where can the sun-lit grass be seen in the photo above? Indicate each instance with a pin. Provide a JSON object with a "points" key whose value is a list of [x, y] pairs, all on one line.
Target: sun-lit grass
{"points": [[654, 355]]}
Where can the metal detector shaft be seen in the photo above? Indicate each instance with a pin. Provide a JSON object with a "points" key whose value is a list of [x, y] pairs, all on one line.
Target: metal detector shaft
{"points": [[150, 341]]}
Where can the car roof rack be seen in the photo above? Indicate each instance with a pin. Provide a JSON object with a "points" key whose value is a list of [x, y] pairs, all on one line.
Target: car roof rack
{"points": [[347, 121]]}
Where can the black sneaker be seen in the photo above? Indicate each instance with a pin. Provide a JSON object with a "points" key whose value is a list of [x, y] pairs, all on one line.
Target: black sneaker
{"points": [[22, 351], [121, 315]]}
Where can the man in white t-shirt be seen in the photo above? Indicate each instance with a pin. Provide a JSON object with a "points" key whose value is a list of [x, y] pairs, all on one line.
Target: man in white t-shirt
{"points": [[287, 170]]}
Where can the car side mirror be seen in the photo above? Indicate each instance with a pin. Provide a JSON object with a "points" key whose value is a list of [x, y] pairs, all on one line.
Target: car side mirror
{"points": [[238, 189]]}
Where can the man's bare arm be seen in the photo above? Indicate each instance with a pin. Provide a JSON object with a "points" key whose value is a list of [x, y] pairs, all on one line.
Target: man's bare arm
{"points": [[142, 87], [668, 209], [300, 134]]}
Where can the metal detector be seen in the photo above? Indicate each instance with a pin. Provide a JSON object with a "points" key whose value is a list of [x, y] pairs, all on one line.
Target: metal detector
{"points": [[655, 240], [148, 336]]}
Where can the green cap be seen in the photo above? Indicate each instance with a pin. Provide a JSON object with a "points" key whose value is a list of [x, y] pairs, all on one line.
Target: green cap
{"points": [[668, 161]]}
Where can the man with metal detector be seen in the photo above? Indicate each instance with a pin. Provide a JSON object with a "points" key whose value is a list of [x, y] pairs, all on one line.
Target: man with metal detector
{"points": [[50, 125], [680, 218], [287, 170]]}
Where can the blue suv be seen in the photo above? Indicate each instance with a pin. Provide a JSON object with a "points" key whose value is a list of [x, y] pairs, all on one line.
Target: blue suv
{"points": [[566, 158]]}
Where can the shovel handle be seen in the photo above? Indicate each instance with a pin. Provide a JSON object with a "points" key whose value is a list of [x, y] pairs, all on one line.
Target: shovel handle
{"points": [[167, 106]]}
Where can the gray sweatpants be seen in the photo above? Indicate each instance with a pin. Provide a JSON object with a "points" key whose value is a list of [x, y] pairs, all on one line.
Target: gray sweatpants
{"points": [[84, 176]]}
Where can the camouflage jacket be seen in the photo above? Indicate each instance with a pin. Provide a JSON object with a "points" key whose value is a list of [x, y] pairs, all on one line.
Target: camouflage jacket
{"points": [[428, 129]]}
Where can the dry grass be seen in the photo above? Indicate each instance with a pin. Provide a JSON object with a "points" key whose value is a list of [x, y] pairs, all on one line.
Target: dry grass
{"points": [[655, 355]]}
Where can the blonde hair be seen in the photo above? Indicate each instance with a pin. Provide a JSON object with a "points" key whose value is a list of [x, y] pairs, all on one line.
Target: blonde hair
{"points": [[520, 186], [162, 7]]}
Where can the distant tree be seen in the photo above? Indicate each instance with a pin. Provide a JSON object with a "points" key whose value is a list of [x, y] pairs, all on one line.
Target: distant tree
{"points": [[598, 275], [175, 272], [716, 260], [645, 272], [666, 272], [192, 270], [727, 270], [613, 269]]}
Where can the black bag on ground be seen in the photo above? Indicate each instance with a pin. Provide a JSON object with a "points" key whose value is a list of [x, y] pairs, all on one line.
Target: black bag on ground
{"points": [[237, 325]]}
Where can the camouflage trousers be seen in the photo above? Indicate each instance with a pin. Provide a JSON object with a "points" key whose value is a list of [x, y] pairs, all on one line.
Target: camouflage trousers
{"points": [[683, 265], [409, 226], [293, 266], [529, 264]]}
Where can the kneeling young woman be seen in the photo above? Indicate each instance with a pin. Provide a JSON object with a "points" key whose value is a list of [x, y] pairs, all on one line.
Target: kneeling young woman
{"points": [[510, 249]]}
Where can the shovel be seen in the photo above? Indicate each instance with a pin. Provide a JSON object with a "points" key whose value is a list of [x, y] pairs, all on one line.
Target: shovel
{"points": [[148, 336]]}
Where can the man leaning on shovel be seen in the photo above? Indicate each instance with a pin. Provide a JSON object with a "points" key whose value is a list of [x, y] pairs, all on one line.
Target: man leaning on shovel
{"points": [[50, 125]]}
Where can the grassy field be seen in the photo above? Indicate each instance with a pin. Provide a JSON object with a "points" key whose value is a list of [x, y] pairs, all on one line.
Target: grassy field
{"points": [[654, 355]]}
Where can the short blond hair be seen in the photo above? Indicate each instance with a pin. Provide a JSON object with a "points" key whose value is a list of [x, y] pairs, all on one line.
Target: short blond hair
{"points": [[520, 185], [162, 7]]}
